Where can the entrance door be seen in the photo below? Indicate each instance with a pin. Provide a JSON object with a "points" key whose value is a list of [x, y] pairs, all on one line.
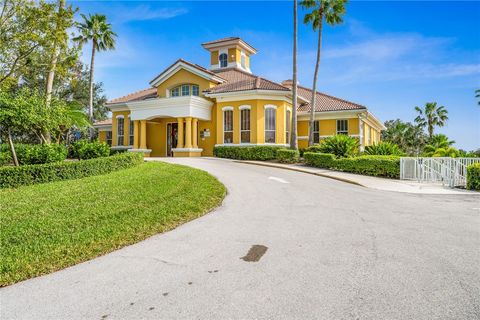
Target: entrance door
{"points": [[172, 136]]}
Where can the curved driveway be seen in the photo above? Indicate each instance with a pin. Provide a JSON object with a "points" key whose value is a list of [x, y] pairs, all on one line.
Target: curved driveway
{"points": [[335, 251]]}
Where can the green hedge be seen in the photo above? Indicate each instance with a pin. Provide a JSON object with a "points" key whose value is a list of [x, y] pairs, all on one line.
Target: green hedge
{"points": [[319, 160], [473, 176], [84, 149], [33, 153], [288, 155], [385, 166], [41, 173], [261, 153]]}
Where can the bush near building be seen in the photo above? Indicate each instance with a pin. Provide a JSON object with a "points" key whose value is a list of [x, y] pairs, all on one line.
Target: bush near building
{"points": [[261, 153], [33, 153], [473, 176], [84, 149], [288, 156], [40, 173], [384, 166]]}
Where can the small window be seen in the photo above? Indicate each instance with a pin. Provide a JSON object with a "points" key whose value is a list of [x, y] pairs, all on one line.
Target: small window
{"points": [[316, 131], [120, 131], [287, 127], [228, 126], [342, 127], [223, 60], [109, 138], [130, 132], [185, 90], [175, 92], [245, 126], [243, 61], [195, 90], [270, 124]]}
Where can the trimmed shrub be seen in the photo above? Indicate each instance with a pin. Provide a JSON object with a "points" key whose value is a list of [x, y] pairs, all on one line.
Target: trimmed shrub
{"points": [[314, 148], [288, 156], [34, 153], [319, 160], [384, 149], [385, 166], [41, 173], [84, 149], [473, 176], [261, 153]]}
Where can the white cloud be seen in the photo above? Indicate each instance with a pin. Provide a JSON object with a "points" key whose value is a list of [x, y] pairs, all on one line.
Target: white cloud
{"points": [[145, 12]]}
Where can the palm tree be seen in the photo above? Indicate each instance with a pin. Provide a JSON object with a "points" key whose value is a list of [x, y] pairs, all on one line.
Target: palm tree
{"points": [[293, 134], [477, 95], [96, 29], [332, 11], [431, 116]]}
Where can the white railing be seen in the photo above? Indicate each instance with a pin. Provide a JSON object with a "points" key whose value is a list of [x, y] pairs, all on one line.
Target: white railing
{"points": [[448, 171]]}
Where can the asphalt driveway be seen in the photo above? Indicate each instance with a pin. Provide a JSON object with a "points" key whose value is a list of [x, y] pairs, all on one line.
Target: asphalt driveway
{"points": [[323, 249]]}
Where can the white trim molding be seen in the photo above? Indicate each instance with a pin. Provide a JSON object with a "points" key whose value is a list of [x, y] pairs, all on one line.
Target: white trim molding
{"points": [[120, 116], [227, 108], [175, 107], [257, 94], [162, 77], [245, 107], [121, 148], [187, 149], [270, 106], [140, 150]]}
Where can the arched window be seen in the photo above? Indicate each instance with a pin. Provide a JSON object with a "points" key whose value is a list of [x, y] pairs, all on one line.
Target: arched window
{"points": [[120, 130], [227, 125], [244, 124], [130, 131], [270, 123], [222, 58]]}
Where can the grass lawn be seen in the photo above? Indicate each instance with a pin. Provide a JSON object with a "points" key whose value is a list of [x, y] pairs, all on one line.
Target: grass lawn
{"points": [[47, 227]]}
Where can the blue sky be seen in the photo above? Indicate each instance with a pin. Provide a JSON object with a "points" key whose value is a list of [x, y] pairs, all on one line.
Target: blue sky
{"points": [[389, 56]]}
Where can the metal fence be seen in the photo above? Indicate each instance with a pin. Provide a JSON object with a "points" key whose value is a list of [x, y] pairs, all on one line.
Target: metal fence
{"points": [[448, 171]]}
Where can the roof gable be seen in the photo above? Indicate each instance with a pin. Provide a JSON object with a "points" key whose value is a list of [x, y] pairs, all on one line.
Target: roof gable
{"points": [[190, 67]]}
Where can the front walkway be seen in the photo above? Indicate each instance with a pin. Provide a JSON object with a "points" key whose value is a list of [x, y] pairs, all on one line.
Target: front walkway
{"points": [[368, 181]]}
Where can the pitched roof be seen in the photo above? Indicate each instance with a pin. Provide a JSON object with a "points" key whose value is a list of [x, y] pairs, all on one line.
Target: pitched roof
{"points": [[228, 41], [323, 102], [136, 96], [238, 80], [189, 64], [101, 123]]}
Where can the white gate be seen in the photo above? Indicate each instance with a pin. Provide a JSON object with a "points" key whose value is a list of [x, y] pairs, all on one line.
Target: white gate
{"points": [[448, 171]]}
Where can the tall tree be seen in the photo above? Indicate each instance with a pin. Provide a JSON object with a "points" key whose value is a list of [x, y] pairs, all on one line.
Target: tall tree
{"points": [[293, 134], [96, 29], [477, 95], [332, 12], [431, 116]]}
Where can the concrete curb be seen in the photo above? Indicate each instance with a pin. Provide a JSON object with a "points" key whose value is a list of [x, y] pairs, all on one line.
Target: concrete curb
{"points": [[274, 165]]}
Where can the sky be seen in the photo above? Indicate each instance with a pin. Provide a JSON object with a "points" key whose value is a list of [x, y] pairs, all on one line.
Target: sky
{"points": [[389, 56]]}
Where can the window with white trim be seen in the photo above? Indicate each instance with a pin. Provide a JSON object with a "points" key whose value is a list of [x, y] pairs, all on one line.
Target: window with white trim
{"points": [[175, 92], [195, 90], [109, 138], [223, 60], [130, 131], [342, 126], [228, 126], [120, 131], [245, 125], [316, 131], [270, 124], [288, 126], [185, 90], [243, 59]]}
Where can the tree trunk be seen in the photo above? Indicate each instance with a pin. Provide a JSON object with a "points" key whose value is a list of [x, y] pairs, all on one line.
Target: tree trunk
{"points": [[53, 66], [293, 127], [12, 148], [90, 101], [314, 86]]}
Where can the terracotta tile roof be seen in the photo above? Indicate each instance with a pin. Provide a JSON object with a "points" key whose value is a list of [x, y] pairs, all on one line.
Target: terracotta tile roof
{"points": [[105, 122], [136, 96], [238, 80], [324, 102]]}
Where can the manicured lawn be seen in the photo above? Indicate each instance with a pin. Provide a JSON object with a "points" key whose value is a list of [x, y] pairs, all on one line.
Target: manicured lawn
{"points": [[47, 227]]}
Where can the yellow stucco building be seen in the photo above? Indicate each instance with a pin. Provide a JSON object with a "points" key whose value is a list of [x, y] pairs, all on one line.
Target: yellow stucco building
{"points": [[189, 109]]}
